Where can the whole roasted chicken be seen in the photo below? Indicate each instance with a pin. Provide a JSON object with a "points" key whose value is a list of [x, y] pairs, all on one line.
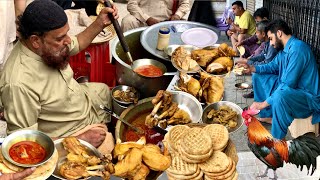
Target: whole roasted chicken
{"points": [[301, 151]]}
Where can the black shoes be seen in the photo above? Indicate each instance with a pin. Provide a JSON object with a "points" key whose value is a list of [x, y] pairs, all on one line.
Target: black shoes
{"points": [[249, 95]]}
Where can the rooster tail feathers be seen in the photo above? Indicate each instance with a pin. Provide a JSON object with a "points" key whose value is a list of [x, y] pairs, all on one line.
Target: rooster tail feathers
{"points": [[304, 150]]}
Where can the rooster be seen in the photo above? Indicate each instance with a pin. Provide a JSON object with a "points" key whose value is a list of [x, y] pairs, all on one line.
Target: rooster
{"points": [[274, 152]]}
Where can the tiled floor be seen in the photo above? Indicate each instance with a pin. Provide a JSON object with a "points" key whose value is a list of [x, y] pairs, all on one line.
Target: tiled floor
{"points": [[249, 167]]}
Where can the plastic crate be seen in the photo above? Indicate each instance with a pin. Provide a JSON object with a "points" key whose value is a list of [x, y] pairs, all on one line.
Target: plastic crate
{"points": [[98, 68]]}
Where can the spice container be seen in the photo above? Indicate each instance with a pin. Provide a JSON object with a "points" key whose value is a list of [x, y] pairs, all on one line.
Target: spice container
{"points": [[163, 38]]}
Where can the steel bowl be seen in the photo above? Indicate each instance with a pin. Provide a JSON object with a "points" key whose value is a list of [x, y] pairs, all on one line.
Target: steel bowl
{"points": [[189, 48], [28, 135], [143, 62], [63, 155], [243, 85], [188, 103], [170, 49], [184, 100], [216, 106], [123, 88], [147, 87]]}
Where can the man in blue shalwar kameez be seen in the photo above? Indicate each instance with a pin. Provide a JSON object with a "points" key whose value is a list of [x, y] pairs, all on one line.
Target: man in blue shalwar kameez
{"points": [[289, 84]]}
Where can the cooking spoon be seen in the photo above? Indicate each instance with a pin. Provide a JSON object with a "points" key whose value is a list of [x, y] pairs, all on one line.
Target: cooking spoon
{"points": [[135, 64], [156, 128], [109, 111]]}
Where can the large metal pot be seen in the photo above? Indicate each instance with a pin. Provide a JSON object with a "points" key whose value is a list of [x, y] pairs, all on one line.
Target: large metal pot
{"points": [[146, 86]]}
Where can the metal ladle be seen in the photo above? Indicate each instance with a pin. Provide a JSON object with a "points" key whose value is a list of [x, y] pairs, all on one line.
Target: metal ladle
{"points": [[109, 111], [134, 63]]}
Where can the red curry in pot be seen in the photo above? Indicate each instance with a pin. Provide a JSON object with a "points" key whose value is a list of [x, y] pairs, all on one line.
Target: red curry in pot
{"points": [[149, 71], [151, 135]]}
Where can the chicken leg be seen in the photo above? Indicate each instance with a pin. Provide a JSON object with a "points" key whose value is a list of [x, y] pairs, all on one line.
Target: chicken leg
{"points": [[265, 174], [72, 145], [75, 170]]}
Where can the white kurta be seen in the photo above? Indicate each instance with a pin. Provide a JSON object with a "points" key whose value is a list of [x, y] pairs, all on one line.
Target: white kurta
{"points": [[141, 10], [7, 30]]}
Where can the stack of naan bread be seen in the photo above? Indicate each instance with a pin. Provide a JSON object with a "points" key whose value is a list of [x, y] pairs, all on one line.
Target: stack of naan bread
{"points": [[201, 153]]}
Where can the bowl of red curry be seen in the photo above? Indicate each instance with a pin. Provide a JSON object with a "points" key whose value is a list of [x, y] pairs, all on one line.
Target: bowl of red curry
{"points": [[27, 148]]}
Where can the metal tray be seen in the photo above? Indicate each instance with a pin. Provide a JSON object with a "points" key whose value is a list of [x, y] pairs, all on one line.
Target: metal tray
{"points": [[149, 36], [63, 153]]}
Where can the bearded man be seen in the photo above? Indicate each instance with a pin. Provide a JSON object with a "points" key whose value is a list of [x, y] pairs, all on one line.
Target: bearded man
{"points": [[37, 87], [288, 86]]}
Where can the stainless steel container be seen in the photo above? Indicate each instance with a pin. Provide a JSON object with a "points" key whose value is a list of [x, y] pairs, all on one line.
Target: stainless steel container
{"points": [[146, 86]]}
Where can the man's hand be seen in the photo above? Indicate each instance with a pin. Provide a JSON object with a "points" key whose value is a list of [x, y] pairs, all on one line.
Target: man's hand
{"points": [[19, 175], [152, 21], [94, 137], [175, 17], [229, 21], [247, 68], [242, 61], [238, 44], [229, 33], [103, 15], [259, 105]]}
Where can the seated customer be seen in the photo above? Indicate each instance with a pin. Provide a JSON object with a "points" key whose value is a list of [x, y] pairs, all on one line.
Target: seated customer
{"points": [[146, 12], [252, 45], [244, 25], [37, 87], [288, 86], [266, 56]]}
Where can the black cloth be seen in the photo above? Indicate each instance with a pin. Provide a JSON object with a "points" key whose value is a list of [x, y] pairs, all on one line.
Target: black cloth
{"points": [[65, 4], [202, 12], [89, 5], [43, 16]]}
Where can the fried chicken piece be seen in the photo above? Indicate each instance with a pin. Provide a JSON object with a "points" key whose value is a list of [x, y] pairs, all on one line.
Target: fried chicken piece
{"points": [[158, 97], [163, 124], [192, 85], [151, 121], [76, 158], [169, 112], [212, 89], [220, 64], [93, 160], [154, 159], [167, 100], [76, 170], [73, 145], [123, 148], [162, 96], [225, 50], [204, 56], [142, 173], [183, 59], [180, 117], [130, 165]]}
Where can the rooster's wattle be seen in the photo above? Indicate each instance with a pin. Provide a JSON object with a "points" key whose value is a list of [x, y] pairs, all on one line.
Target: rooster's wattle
{"points": [[274, 152]]}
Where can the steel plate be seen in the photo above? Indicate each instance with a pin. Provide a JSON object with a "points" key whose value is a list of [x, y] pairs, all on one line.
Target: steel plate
{"points": [[63, 153], [149, 36]]}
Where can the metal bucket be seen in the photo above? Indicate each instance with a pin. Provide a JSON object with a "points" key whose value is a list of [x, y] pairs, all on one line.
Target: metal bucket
{"points": [[124, 75]]}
